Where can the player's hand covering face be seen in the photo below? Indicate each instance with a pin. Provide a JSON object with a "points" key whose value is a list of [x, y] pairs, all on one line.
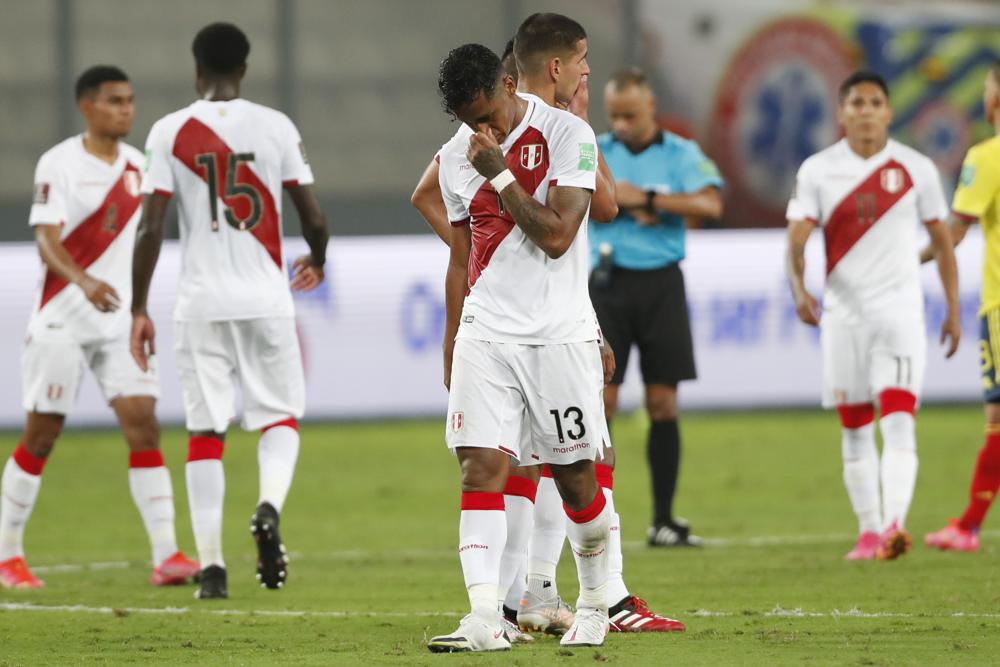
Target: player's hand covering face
{"points": [[485, 154], [495, 114]]}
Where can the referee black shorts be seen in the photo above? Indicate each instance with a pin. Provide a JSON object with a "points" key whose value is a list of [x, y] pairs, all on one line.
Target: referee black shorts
{"points": [[647, 309]]}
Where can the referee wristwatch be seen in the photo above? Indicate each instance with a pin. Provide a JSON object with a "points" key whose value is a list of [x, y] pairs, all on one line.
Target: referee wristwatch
{"points": [[650, 198]]}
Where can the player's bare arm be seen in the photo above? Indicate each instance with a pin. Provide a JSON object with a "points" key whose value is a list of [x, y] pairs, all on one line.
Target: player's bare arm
{"points": [[58, 260], [148, 241], [308, 269], [805, 304], [944, 255], [552, 226], [958, 226], [427, 199], [455, 286]]}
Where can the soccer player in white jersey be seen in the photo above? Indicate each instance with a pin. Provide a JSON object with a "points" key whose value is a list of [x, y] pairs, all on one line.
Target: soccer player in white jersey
{"points": [[226, 160], [85, 213], [870, 194], [521, 349]]}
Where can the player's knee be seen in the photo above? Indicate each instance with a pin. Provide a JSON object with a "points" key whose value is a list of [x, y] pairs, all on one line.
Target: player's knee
{"points": [[40, 445], [662, 405], [483, 470], [142, 436]]}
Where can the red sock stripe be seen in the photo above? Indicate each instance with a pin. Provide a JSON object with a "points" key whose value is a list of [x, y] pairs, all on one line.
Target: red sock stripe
{"points": [[203, 447], [148, 459], [605, 476], [290, 423], [27, 461], [857, 415], [482, 501], [546, 471], [520, 486], [590, 512], [897, 400]]}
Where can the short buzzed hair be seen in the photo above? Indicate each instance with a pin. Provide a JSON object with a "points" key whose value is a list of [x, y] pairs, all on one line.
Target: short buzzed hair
{"points": [[626, 78], [90, 81], [220, 48], [859, 77], [507, 61], [543, 36]]}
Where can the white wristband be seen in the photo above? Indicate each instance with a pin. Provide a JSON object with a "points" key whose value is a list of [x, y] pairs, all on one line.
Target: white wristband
{"points": [[502, 180]]}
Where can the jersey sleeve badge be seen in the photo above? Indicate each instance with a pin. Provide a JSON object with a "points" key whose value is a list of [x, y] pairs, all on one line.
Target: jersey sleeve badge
{"points": [[588, 157], [41, 195]]}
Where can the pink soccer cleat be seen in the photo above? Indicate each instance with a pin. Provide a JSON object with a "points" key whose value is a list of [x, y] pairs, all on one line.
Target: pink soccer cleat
{"points": [[953, 538], [865, 548], [893, 543], [14, 573], [174, 571]]}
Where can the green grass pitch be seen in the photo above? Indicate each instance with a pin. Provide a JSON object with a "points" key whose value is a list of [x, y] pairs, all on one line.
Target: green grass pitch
{"points": [[372, 526]]}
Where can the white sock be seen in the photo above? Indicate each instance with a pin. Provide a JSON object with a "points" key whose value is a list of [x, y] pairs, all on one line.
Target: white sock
{"points": [[547, 536], [617, 590], [276, 456], [587, 531], [520, 517], [154, 496], [19, 490], [206, 486], [482, 532], [861, 475], [899, 466], [516, 591]]}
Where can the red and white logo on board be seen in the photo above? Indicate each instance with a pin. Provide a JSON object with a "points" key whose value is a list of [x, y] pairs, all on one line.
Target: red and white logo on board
{"points": [[531, 155], [132, 181], [457, 421], [892, 180]]}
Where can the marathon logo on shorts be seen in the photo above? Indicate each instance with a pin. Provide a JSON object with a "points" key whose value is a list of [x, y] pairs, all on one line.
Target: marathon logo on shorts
{"points": [[457, 421], [41, 195], [572, 448], [531, 155], [55, 392], [892, 180]]}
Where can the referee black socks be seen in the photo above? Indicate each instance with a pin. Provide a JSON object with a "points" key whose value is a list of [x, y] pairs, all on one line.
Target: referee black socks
{"points": [[664, 454]]}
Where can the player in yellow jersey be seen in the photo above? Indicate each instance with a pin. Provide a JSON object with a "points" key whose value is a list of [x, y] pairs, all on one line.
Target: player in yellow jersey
{"points": [[977, 198]]}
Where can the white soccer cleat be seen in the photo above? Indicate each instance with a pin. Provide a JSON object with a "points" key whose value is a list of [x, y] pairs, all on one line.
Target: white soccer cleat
{"points": [[515, 634], [552, 616], [475, 633], [589, 629]]}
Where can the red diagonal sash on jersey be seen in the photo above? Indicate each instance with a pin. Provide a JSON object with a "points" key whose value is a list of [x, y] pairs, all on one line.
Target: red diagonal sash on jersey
{"points": [[862, 207], [528, 160], [88, 241], [194, 139]]}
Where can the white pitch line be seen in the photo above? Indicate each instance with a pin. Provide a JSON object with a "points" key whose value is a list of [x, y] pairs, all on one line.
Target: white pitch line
{"points": [[80, 567], [777, 612], [177, 611]]}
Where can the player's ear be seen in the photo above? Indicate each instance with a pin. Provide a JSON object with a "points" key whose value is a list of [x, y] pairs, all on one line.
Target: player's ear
{"points": [[555, 68], [509, 85]]}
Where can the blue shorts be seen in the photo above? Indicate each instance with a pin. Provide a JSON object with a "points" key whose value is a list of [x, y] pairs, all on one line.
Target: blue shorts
{"points": [[989, 353]]}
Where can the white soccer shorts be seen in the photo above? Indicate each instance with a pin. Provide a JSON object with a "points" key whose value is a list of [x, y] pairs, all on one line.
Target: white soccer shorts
{"points": [[862, 360], [536, 403], [262, 355], [52, 368]]}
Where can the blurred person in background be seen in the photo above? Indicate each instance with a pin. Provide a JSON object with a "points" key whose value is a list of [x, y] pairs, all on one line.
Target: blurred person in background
{"points": [[226, 160], [977, 199], [662, 182], [85, 213], [870, 195]]}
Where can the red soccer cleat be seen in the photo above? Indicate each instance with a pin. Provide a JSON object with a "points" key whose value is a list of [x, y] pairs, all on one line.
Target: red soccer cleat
{"points": [[175, 571], [953, 538], [633, 615], [865, 548], [14, 573], [893, 543]]}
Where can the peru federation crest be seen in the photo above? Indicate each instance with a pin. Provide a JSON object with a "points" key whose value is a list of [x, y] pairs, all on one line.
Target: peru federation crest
{"points": [[457, 421], [132, 182], [531, 156], [892, 180]]}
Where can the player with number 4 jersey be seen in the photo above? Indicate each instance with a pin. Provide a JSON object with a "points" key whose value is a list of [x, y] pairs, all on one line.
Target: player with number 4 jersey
{"points": [[226, 160], [870, 195]]}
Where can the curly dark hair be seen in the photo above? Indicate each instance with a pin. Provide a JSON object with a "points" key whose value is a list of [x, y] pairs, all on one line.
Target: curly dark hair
{"points": [[466, 72]]}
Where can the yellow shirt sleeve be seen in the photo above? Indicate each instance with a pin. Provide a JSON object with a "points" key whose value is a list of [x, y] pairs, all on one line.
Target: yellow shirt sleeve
{"points": [[979, 182]]}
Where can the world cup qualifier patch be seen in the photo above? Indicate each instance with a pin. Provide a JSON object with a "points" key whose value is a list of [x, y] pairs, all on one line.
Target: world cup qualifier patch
{"points": [[41, 195], [588, 157], [968, 175]]}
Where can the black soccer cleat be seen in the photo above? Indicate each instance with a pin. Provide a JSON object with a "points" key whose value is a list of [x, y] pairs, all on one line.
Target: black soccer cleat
{"points": [[272, 560], [212, 584], [675, 533]]}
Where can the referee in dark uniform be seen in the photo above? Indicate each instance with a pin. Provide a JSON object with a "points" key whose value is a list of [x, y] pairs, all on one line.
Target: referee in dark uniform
{"points": [[637, 287]]}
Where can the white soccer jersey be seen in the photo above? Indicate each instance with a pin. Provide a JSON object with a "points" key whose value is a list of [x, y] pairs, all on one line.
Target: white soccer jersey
{"points": [[98, 206], [517, 294], [227, 162], [870, 211]]}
